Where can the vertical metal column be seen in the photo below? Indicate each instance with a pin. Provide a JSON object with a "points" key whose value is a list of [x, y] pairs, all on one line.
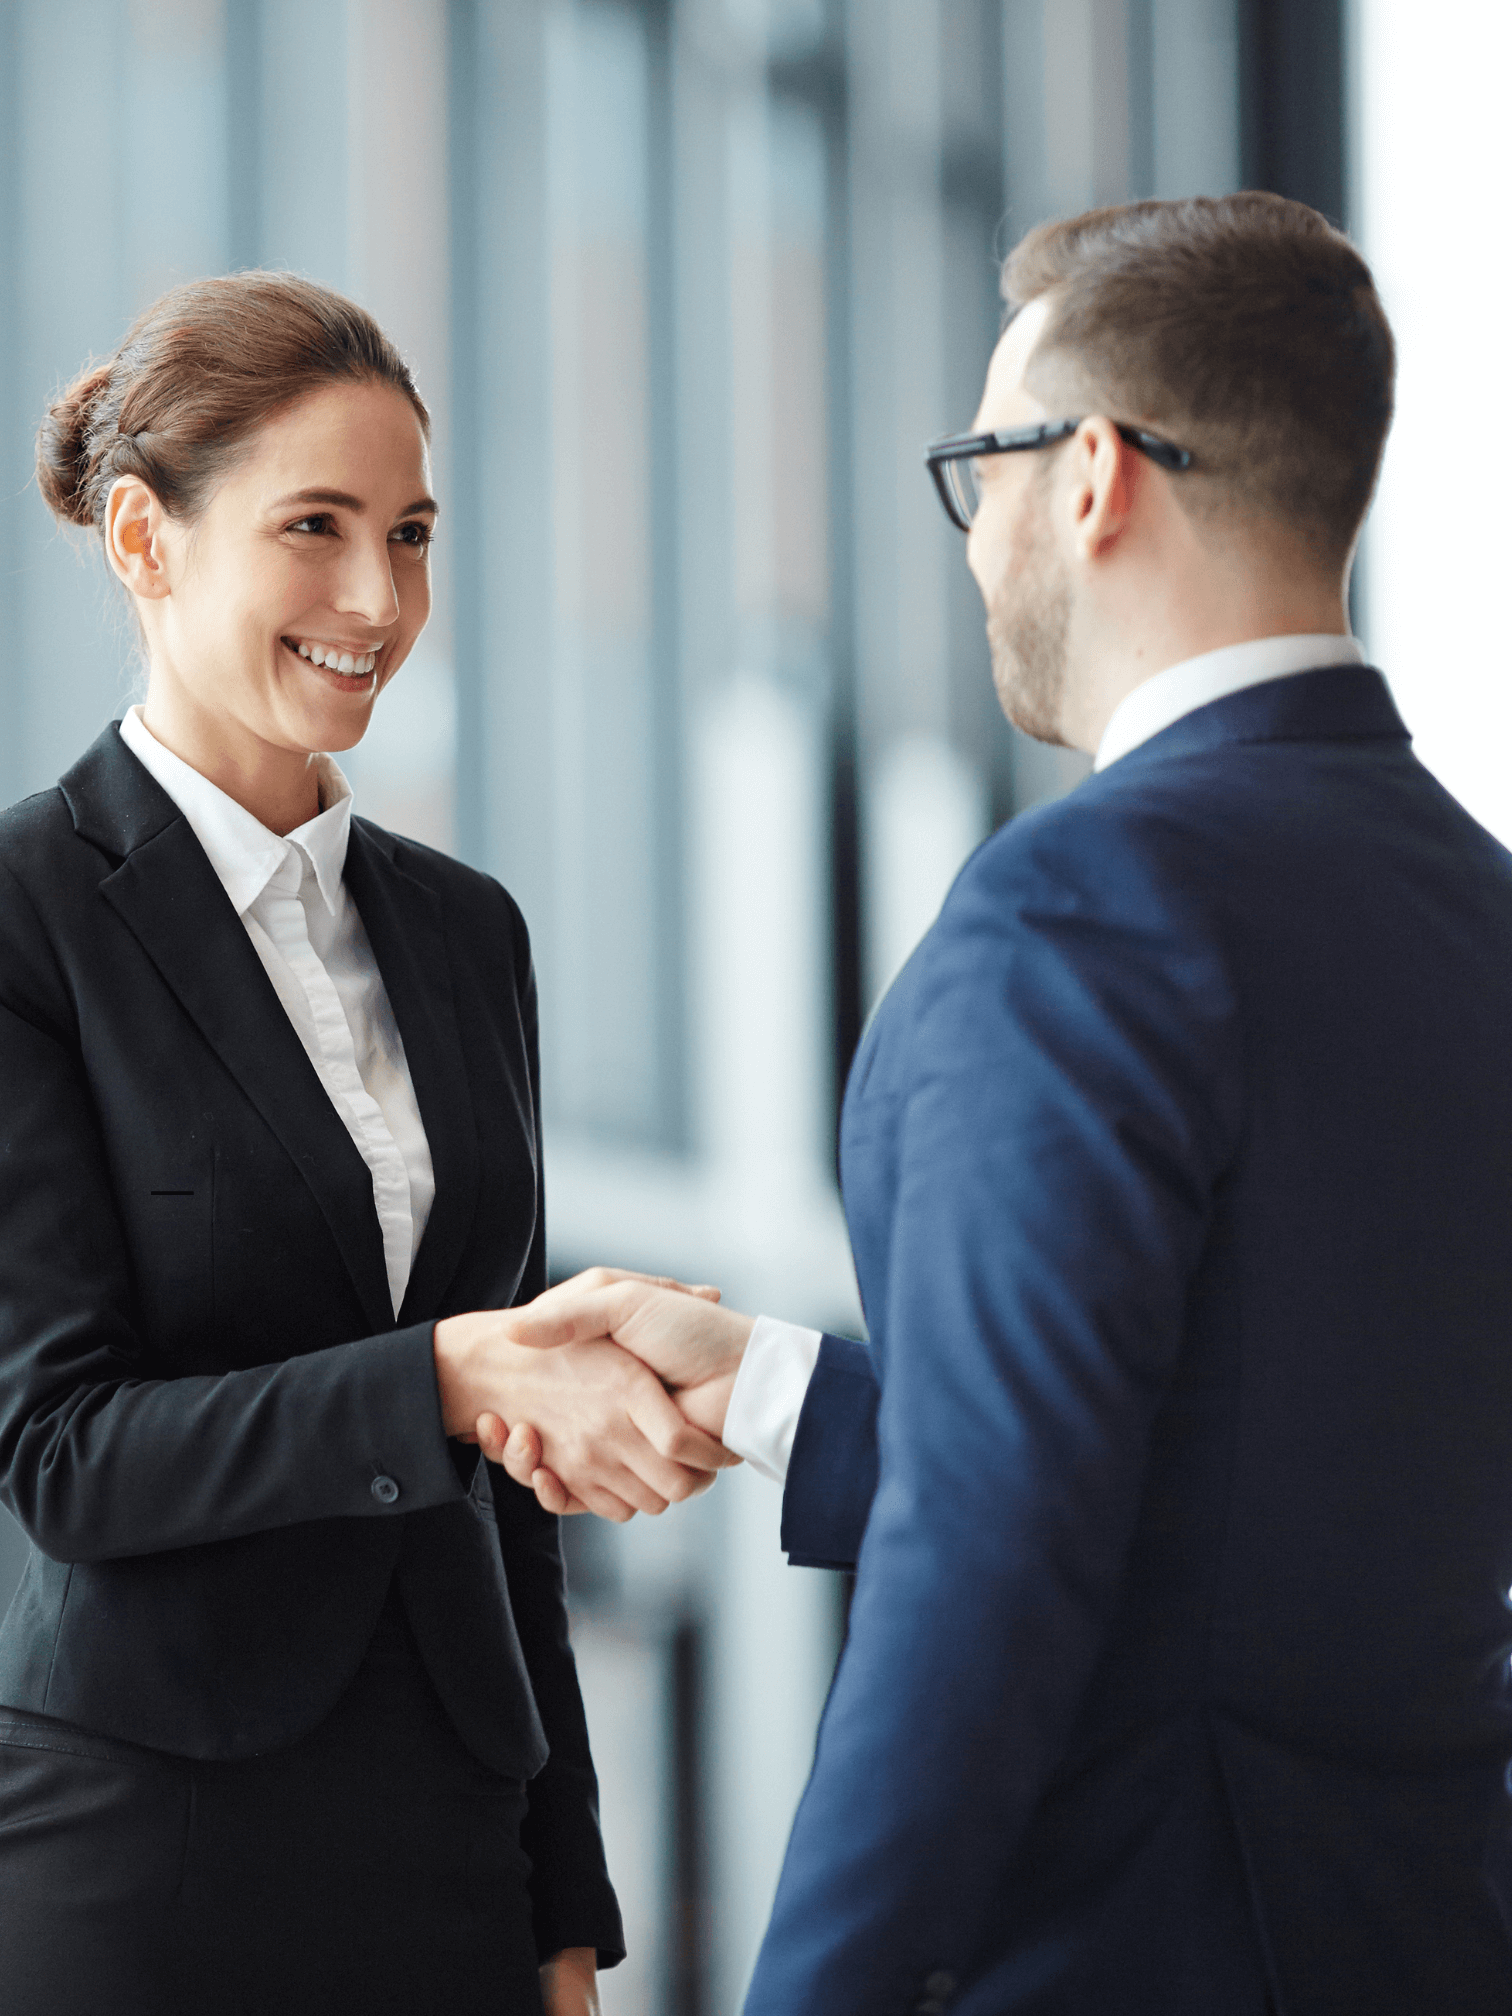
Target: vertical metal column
{"points": [[15, 457], [245, 165], [672, 1096], [464, 84], [1291, 84]]}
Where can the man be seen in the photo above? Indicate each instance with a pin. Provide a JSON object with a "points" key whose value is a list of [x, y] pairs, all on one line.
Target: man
{"points": [[1178, 1170]]}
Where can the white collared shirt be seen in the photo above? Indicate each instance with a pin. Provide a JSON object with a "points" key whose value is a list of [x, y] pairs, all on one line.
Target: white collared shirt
{"points": [[1195, 682], [291, 896], [779, 1361]]}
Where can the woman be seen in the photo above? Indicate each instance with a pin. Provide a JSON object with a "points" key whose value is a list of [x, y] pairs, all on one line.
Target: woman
{"points": [[290, 1720]]}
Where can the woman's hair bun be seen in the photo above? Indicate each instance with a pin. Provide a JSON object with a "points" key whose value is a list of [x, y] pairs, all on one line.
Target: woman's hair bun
{"points": [[198, 372], [65, 453]]}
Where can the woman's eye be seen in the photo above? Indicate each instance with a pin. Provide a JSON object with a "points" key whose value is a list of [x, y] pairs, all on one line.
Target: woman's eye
{"points": [[317, 522], [415, 533]]}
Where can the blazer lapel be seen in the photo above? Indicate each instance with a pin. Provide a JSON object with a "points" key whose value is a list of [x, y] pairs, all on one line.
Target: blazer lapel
{"points": [[171, 899], [403, 921]]}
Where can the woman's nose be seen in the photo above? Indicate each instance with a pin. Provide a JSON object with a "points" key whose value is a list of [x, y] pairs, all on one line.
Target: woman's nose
{"points": [[367, 587]]}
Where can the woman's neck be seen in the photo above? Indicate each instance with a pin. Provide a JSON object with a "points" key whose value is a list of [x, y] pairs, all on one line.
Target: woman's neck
{"points": [[279, 787]]}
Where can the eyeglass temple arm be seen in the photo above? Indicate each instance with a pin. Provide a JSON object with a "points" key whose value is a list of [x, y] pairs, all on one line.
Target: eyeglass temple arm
{"points": [[1166, 453], [960, 447]]}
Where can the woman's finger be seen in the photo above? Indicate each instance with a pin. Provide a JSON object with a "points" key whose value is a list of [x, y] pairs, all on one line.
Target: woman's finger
{"points": [[602, 1423], [520, 1455], [619, 1460], [630, 1486], [608, 1504], [518, 1449], [553, 1495]]}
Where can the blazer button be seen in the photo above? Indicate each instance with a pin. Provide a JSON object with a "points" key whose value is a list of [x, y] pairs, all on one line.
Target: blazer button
{"points": [[385, 1490]]}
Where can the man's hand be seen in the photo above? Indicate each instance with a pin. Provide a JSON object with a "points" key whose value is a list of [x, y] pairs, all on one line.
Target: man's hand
{"points": [[607, 1430], [694, 1346]]}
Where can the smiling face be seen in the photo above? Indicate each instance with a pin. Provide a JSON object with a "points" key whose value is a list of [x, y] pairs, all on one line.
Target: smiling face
{"points": [[275, 620]]}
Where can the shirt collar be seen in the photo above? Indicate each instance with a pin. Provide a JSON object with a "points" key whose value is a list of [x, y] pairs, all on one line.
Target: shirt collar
{"points": [[1165, 696], [243, 852]]}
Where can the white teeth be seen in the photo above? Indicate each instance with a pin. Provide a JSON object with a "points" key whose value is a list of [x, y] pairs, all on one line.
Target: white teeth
{"points": [[354, 664]]}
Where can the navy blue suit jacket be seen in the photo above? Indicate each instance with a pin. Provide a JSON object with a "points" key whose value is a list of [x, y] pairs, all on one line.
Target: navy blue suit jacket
{"points": [[1178, 1169]]}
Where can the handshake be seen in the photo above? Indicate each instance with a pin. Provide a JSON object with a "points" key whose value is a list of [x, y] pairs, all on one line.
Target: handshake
{"points": [[606, 1394]]}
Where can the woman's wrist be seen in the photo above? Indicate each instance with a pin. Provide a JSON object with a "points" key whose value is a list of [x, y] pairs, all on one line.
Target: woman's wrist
{"points": [[569, 1982], [470, 1354]]}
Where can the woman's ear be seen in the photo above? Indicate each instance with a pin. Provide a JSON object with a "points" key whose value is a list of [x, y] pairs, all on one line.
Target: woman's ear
{"points": [[134, 541]]}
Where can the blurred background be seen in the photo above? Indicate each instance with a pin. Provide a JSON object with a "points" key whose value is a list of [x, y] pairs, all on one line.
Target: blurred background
{"points": [[688, 284]]}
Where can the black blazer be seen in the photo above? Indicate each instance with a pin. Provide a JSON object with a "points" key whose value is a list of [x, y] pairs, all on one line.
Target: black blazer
{"points": [[220, 1443]]}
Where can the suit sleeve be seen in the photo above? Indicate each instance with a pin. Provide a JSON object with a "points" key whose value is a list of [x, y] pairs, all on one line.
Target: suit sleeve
{"points": [[100, 1457], [832, 1473], [572, 1900], [1067, 1092]]}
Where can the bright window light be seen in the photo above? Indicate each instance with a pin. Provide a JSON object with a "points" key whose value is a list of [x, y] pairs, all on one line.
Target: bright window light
{"points": [[1430, 121]]}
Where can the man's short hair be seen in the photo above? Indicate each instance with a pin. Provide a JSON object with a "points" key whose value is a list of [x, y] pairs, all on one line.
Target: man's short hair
{"points": [[1245, 328]]}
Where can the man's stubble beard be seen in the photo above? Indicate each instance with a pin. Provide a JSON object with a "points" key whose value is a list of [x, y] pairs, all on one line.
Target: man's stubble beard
{"points": [[1028, 624]]}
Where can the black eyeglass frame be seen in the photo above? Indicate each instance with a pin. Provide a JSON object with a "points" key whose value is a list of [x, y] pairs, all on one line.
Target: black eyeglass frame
{"points": [[1014, 440]]}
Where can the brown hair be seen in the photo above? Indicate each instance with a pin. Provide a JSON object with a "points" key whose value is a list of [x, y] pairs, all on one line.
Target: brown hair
{"points": [[1246, 328], [198, 372]]}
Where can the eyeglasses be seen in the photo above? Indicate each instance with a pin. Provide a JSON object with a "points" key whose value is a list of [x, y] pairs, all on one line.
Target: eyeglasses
{"points": [[952, 461]]}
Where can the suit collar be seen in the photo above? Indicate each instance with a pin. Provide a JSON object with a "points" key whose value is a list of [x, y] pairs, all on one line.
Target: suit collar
{"points": [[1337, 703], [113, 801], [244, 853], [1165, 696]]}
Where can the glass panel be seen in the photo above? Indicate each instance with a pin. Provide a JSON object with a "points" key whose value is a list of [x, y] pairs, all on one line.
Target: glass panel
{"points": [[602, 1048], [779, 461]]}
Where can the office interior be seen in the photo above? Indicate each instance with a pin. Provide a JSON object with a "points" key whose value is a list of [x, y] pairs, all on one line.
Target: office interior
{"points": [[687, 285]]}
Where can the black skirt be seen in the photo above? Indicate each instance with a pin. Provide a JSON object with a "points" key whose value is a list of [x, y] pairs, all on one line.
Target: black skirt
{"points": [[374, 1867]]}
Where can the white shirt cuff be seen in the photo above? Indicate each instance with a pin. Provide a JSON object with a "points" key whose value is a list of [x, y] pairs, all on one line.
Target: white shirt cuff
{"points": [[768, 1395]]}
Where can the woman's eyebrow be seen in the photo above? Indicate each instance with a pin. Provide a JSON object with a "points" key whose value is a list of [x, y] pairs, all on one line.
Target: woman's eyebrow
{"points": [[345, 501]]}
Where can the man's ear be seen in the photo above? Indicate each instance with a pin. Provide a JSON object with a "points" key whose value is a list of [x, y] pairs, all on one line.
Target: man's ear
{"points": [[1105, 480], [135, 546]]}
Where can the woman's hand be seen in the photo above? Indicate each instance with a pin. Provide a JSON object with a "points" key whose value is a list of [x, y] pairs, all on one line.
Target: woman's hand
{"points": [[569, 1984], [607, 1427], [694, 1346]]}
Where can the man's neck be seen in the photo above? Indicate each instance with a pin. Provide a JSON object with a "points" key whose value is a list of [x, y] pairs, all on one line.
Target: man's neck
{"points": [[1134, 650], [1215, 675]]}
